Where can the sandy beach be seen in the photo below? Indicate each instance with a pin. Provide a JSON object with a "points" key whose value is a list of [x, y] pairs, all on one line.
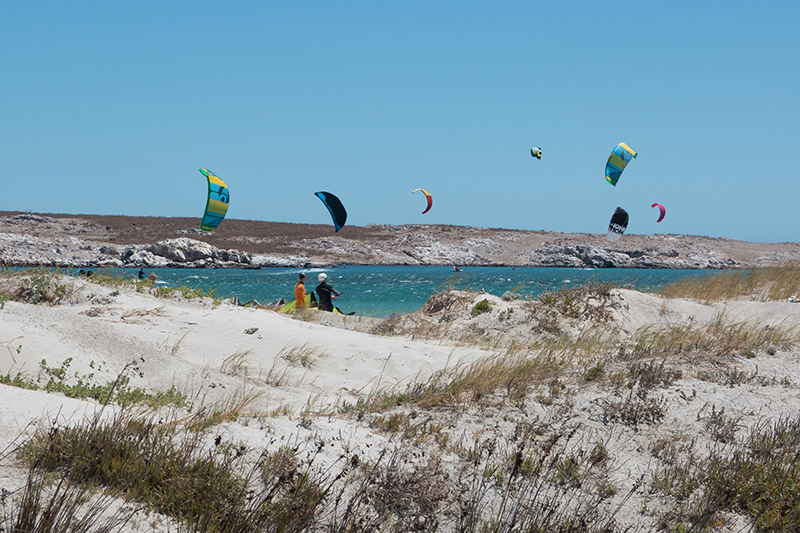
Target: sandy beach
{"points": [[332, 387]]}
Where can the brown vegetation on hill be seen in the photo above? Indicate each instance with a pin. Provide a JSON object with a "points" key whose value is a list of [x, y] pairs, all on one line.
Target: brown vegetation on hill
{"points": [[413, 244]]}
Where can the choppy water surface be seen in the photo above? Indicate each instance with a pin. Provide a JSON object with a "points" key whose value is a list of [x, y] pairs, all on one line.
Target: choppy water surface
{"points": [[383, 290]]}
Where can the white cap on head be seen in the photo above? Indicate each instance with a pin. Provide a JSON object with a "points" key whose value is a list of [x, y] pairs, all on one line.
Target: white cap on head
{"points": [[322, 276]]}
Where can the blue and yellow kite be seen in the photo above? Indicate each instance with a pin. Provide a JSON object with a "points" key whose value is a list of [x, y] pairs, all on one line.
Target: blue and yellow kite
{"points": [[617, 161], [218, 199]]}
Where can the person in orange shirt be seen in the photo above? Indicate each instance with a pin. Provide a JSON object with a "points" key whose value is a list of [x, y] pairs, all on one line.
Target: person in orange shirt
{"points": [[300, 292]]}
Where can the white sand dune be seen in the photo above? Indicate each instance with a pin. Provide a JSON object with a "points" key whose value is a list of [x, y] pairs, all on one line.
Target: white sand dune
{"points": [[184, 343], [213, 352]]}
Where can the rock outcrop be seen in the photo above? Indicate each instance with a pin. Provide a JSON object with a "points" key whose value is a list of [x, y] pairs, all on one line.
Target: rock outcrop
{"points": [[589, 256], [184, 252]]}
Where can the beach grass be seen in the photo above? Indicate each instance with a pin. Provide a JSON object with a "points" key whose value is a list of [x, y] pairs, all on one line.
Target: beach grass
{"points": [[769, 283], [45, 285], [758, 476], [155, 464], [229, 408], [213, 485], [718, 337], [499, 379], [49, 503]]}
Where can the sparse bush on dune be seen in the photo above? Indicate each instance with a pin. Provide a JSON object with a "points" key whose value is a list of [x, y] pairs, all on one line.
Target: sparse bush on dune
{"points": [[758, 477], [447, 301], [175, 473], [36, 286], [446, 316], [150, 286], [484, 306], [209, 485], [50, 286], [118, 391], [62, 504], [592, 301]]}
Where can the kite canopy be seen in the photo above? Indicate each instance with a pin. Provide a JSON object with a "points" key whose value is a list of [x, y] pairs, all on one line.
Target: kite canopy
{"points": [[618, 225], [428, 196], [536, 152], [617, 161], [663, 211], [217, 204], [335, 208]]}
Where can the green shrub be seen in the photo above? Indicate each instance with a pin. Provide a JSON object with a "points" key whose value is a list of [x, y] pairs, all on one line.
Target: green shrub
{"points": [[118, 391], [595, 373], [484, 306]]}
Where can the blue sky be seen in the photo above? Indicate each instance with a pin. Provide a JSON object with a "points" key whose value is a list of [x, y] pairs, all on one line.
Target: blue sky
{"points": [[111, 108]]}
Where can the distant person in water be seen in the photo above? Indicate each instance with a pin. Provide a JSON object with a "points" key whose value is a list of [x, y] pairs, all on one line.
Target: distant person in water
{"points": [[326, 293], [300, 292], [141, 274]]}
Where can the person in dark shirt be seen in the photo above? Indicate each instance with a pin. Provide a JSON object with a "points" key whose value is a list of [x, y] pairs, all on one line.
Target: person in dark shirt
{"points": [[325, 293]]}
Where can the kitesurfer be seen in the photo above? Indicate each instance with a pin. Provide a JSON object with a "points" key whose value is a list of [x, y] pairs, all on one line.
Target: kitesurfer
{"points": [[141, 274], [325, 293], [300, 292]]}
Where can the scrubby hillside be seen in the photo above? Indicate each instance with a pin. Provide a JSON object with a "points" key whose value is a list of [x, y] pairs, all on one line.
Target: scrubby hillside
{"points": [[91, 240]]}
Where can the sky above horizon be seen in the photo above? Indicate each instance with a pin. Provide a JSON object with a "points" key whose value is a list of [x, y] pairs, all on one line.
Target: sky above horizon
{"points": [[111, 108]]}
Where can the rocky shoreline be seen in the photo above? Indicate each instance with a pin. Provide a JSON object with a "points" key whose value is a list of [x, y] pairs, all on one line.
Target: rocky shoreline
{"points": [[95, 241]]}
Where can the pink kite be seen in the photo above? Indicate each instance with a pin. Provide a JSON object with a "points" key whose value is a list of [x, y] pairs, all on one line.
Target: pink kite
{"points": [[663, 211]]}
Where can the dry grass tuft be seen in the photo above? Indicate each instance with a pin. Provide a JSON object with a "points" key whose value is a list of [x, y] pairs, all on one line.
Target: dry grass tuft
{"points": [[299, 355], [235, 364], [771, 283], [156, 311], [493, 380], [718, 338], [152, 463], [229, 408]]}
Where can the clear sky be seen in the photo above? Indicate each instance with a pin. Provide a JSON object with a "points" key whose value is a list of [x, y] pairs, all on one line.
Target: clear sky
{"points": [[112, 107]]}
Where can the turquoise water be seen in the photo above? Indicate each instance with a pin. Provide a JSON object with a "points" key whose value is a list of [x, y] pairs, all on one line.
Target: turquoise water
{"points": [[383, 290]]}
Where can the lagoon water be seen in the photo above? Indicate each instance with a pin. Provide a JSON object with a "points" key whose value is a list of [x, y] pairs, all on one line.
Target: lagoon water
{"points": [[382, 290]]}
